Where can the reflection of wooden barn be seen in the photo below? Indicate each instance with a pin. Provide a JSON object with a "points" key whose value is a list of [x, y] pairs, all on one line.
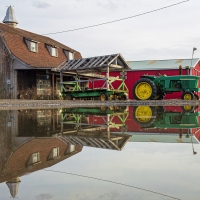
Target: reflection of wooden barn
{"points": [[26, 60], [32, 155], [157, 67], [27, 146]]}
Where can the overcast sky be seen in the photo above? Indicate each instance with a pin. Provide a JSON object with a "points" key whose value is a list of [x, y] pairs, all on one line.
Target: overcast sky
{"points": [[165, 34]]}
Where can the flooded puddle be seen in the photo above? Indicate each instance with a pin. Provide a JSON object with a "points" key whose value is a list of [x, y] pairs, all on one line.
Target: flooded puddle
{"points": [[119, 152]]}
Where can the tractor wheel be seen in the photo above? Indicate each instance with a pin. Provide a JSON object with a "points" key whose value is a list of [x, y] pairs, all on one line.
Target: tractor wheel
{"points": [[103, 97], [188, 108], [187, 96], [68, 97], [124, 97], [144, 115], [196, 97], [103, 108], [144, 89]]}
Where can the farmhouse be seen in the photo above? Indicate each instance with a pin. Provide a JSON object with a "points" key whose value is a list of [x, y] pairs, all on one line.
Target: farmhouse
{"points": [[26, 60]]}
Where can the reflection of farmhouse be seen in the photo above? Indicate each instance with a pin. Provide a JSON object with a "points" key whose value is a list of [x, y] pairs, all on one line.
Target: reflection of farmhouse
{"points": [[20, 155], [26, 60]]}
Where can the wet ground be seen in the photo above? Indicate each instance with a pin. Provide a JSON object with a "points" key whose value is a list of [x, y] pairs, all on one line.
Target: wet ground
{"points": [[116, 152]]}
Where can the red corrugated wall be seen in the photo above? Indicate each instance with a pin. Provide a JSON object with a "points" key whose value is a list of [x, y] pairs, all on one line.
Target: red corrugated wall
{"points": [[133, 76]]}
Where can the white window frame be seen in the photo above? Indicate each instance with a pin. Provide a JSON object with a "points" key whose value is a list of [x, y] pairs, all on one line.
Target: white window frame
{"points": [[32, 160], [69, 54], [54, 154], [53, 50], [71, 149], [32, 45]]}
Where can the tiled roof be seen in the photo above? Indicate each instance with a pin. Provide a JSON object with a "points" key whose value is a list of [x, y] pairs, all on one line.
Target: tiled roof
{"points": [[162, 64], [14, 38]]}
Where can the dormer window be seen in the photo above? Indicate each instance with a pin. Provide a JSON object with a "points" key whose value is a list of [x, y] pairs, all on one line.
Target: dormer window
{"points": [[69, 54], [54, 153], [71, 149], [32, 45], [53, 51], [34, 158]]}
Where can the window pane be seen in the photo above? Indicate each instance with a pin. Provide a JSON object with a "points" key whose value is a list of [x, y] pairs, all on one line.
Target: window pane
{"points": [[55, 152], [35, 157], [54, 51], [33, 46], [71, 56]]}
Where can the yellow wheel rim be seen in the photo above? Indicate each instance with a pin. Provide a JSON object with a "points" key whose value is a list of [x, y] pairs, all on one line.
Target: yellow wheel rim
{"points": [[187, 97], [103, 108], [143, 113], [143, 90], [187, 108], [103, 97]]}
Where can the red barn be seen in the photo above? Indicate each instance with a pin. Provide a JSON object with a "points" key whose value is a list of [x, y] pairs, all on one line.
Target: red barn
{"points": [[156, 67]]}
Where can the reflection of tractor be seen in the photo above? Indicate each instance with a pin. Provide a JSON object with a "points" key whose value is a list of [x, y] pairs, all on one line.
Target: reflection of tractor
{"points": [[155, 87], [157, 117]]}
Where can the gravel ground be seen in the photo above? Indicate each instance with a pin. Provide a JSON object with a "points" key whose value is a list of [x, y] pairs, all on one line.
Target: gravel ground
{"points": [[15, 104]]}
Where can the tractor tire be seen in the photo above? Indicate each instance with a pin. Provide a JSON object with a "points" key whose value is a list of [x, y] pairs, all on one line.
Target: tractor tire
{"points": [[144, 89], [144, 115], [196, 97], [124, 97], [103, 97], [187, 96], [188, 109]]}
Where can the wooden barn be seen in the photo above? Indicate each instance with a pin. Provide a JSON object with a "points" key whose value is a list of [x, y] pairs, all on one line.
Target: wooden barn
{"points": [[157, 67], [26, 60]]}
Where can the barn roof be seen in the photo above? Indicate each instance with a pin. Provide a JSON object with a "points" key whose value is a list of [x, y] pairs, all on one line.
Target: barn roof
{"points": [[15, 41], [162, 64], [157, 137], [99, 63]]}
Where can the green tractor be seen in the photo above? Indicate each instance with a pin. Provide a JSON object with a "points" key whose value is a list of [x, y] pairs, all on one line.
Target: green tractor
{"points": [[155, 87], [158, 117]]}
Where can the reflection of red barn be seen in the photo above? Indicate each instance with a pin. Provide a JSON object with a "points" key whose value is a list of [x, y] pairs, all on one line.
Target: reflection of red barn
{"points": [[156, 67]]}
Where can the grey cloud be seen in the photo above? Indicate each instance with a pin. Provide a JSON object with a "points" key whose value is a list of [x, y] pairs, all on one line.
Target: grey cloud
{"points": [[40, 4], [44, 197]]}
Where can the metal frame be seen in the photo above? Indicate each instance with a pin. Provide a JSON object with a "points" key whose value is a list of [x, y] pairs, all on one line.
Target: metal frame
{"points": [[95, 135], [92, 65]]}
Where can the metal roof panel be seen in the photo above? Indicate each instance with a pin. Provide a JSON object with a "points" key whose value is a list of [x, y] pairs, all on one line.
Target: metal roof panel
{"points": [[161, 64]]}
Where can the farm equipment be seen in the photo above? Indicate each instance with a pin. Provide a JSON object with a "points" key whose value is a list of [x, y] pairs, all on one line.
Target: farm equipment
{"points": [[155, 87], [158, 117], [105, 92], [88, 71], [95, 127]]}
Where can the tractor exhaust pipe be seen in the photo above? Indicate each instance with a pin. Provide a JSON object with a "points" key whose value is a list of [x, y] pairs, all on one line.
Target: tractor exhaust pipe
{"points": [[180, 70], [187, 70]]}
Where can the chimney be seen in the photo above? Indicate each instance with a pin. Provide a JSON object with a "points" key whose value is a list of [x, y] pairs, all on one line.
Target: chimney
{"points": [[10, 18]]}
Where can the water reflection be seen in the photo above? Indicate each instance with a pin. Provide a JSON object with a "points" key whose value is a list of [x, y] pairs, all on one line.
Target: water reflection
{"points": [[26, 147], [181, 120], [32, 140], [95, 127]]}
